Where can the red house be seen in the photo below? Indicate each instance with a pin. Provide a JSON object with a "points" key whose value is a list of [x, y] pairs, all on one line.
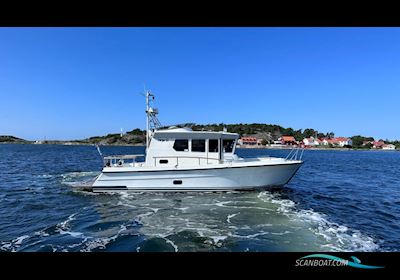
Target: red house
{"points": [[249, 140], [288, 140]]}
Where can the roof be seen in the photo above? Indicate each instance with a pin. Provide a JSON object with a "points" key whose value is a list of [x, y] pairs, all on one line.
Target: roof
{"points": [[176, 129], [341, 139], [378, 143], [189, 133], [288, 138], [338, 139], [249, 138]]}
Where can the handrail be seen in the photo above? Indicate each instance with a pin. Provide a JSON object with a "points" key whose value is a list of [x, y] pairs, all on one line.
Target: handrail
{"points": [[295, 154], [123, 156], [186, 157]]}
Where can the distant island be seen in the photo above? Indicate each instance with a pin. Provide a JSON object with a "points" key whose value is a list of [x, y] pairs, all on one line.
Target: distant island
{"points": [[264, 134]]}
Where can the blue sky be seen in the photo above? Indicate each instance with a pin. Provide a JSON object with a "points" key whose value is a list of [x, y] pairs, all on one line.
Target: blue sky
{"points": [[72, 83]]}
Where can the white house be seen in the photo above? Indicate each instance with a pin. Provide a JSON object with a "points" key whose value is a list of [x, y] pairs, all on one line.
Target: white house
{"points": [[388, 147], [341, 141], [310, 141], [323, 142]]}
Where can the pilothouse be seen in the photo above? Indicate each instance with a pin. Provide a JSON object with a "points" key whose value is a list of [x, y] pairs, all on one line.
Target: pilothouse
{"points": [[180, 159]]}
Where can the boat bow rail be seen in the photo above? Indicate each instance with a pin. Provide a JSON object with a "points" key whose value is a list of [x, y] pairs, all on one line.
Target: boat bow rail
{"points": [[121, 160], [295, 154]]}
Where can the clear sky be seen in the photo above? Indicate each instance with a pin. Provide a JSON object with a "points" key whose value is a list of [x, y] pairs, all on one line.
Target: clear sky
{"points": [[73, 83]]}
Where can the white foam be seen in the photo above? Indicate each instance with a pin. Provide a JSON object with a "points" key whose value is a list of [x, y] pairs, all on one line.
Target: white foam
{"points": [[96, 243], [183, 209], [337, 237], [14, 244], [172, 244], [228, 219], [19, 240], [217, 239], [41, 233], [251, 236], [222, 203], [72, 233], [44, 176], [78, 174], [63, 226]]}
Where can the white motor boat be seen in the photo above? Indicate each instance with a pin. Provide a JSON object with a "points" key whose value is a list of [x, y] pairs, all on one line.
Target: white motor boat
{"points": [[180, 159]]}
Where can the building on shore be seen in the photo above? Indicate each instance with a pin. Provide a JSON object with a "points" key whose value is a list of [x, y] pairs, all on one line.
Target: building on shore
{"points": [[311, 142], [340, 141], [287, 140], [337, 141], [388, 147], [248, 141], [377, 144]]}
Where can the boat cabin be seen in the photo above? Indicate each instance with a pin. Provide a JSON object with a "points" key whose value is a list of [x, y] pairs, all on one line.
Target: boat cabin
{"points": [[183, 146]]}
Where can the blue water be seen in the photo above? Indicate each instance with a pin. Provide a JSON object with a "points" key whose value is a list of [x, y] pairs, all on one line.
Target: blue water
{"points": [[338, 201]]}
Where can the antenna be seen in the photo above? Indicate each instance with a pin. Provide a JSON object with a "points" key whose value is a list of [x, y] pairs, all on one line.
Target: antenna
{"points": [[98, 149], [152, 122]]}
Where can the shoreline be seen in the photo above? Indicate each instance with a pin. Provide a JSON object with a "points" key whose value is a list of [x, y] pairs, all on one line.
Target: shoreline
{"points": [[238, 147], [69, 144], [313, 149]]}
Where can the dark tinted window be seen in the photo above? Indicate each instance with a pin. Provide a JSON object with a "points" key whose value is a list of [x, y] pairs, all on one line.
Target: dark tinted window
{"points": [[163, 161], [213, 146], [198, 145], [228, 145], [181, 145]]}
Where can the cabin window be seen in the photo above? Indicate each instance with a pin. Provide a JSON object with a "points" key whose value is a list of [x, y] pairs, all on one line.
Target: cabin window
{"points": [[181, 145], [163, 161], [198, 145], [213, 146], [228, 145]]}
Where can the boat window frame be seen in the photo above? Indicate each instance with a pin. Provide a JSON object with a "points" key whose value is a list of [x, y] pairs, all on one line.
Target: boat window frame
{"points": [[208, 147], [184, 150], [191, 145], [232, 145]]}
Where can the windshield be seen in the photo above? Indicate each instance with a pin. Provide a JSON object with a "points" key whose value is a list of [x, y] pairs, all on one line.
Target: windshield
{"points": [[228, 145]]}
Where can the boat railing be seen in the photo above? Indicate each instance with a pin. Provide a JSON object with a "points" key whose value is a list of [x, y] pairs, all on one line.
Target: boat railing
{"points": [[199, 159], [295, 154], [120, 160]]}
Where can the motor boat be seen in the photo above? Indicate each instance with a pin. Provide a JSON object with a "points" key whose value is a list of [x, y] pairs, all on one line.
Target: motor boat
{"points": [[178, 159]]}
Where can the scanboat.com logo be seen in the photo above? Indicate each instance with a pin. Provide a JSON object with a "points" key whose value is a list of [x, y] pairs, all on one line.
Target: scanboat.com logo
{"points": [[329, 260]]}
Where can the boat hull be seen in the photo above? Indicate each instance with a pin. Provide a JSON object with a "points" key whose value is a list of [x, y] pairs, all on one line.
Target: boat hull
{"points": [[205, 179]]}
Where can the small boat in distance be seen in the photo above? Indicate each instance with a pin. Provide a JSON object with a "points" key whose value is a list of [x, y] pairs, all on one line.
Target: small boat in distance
{"points": [[180, 159]]}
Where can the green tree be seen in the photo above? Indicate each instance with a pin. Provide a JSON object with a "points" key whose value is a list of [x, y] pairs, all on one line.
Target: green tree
{"points": [[137, 131], [308, 132], [330, 135], [359, 140]]}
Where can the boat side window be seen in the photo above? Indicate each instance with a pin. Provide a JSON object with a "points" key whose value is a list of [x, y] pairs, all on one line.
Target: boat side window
{"points": [[213, 145], [198, 145], [181, 145], [228, 145]]}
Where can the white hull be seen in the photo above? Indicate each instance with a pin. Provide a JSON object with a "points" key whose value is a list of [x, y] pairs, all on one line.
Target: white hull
{"points": [[210, 178]]}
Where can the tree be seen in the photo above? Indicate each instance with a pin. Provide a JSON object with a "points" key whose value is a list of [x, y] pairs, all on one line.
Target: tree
{"points": [[358, 141], [308, 132], [137, 131], [330, 135], [264, 142], [368, 146]]}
